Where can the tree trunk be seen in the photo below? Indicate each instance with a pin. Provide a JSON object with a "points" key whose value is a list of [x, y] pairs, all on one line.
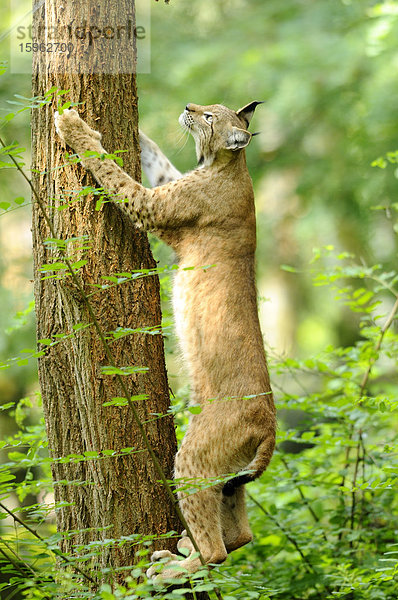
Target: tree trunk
{"points": [[121, 493]]}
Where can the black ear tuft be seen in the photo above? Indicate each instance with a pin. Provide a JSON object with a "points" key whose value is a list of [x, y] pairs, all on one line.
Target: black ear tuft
{"points": [[246, 112]]}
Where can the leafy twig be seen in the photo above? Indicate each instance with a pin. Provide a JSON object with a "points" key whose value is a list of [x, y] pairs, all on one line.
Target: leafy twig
{"points": [[354, 480], [302, 496], [362, 388], [19, 568], [56, 551], [373, 358], [15, 565], [307, 565]]}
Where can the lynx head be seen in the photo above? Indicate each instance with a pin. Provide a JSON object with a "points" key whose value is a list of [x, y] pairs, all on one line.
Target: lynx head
{"points": [[217, 129]]}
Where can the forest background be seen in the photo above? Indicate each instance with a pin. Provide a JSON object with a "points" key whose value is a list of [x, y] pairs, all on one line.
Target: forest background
{"points": [[325, 173]]}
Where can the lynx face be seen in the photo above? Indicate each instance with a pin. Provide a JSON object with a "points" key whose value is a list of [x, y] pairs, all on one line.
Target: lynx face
{"points": [[217, 129]]}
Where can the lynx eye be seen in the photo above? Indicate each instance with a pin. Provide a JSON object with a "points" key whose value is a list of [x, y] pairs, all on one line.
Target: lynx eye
{"points": [[208, 117]]}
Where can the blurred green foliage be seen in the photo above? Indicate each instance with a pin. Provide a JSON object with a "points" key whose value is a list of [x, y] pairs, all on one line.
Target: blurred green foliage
{"points": [[325, 515]]}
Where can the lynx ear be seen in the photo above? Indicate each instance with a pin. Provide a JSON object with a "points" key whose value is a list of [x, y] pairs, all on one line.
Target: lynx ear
{"points": [[248, 111], [237, 139]]}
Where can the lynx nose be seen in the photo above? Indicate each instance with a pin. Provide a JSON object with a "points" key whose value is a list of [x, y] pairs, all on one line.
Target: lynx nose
{"points": [[189, 107]]}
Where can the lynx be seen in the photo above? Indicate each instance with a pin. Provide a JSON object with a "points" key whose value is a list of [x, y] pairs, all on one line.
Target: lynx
{"points": [[207, 216]]}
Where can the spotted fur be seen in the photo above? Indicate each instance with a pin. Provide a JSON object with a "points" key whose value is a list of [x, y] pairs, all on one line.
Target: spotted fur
{"points": [[208, 218]]}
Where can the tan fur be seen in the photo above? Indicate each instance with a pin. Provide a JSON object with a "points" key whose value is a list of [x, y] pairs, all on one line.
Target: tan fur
{"points": [[208, 217]]}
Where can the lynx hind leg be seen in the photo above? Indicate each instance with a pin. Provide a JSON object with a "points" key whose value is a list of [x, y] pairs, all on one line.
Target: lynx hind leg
{"points": [[202, 511], [234, 521], [200, 507], [155, 164]]}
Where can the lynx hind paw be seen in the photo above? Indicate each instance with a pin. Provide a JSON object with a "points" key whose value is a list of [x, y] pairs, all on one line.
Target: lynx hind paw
{"points": [[168, 573], [69, 123], [173, 567], [153, 571], [159, 554]]}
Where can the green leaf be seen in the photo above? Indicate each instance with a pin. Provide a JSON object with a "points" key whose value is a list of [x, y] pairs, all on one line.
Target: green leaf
{"points": [[120, 401], [79, 326], [5, 477], [91, 454], [16, 456], [78, 264], [9, 117], [62, 107], [379, 162], [289, 269], [205, 587], [7, 405], [116, 402], [123, 371], [56, 266]]}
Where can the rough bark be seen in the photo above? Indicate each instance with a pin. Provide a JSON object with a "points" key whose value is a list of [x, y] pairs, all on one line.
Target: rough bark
{"points": [[122, 493]]}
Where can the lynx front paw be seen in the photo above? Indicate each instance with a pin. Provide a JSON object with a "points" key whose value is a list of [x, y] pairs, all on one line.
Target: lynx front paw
{"points": [[74, 131]]}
